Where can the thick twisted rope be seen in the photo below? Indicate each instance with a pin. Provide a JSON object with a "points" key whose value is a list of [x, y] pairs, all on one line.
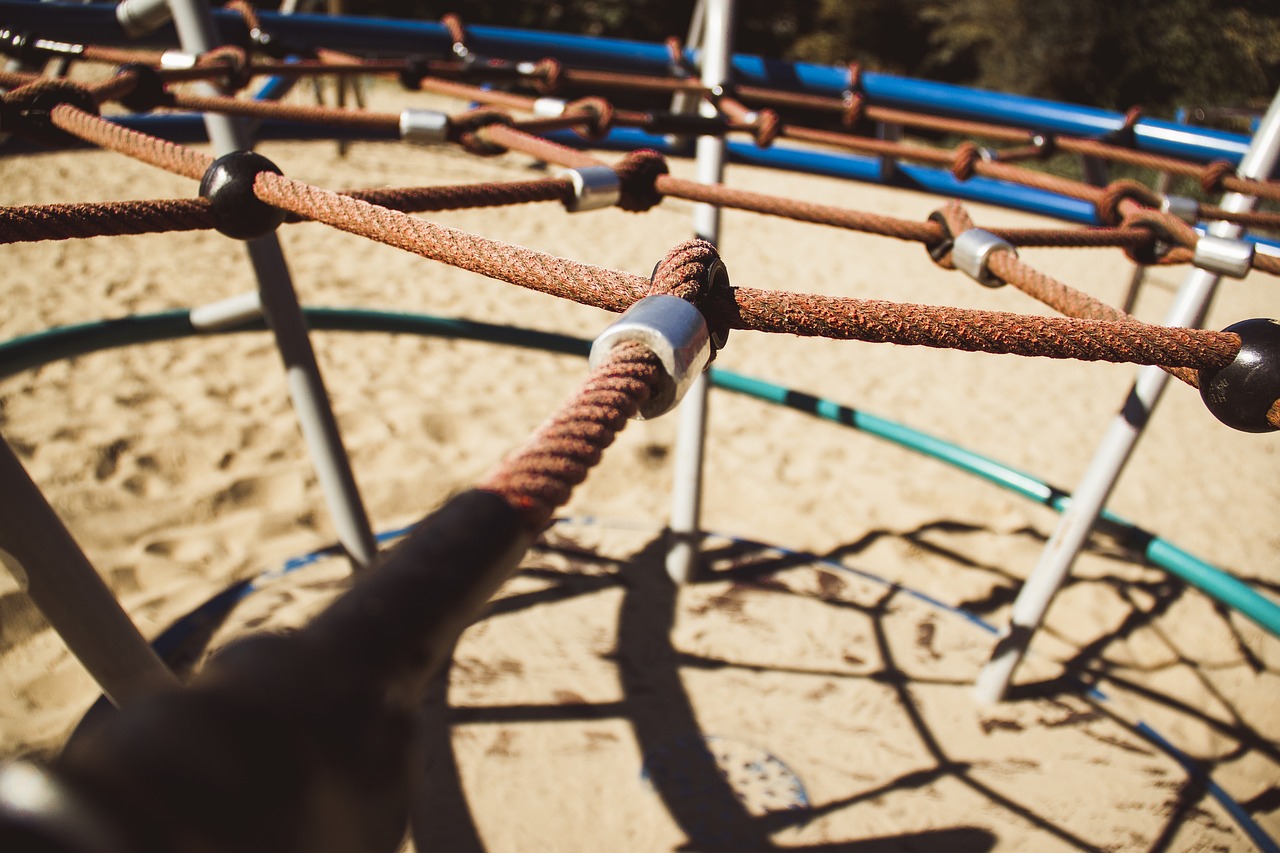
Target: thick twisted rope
{"points": [[841, 318], [540, 476], [106, 219]]}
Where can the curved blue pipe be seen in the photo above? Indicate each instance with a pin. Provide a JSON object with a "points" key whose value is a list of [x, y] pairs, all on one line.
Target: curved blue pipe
{"points": [[32, 350], [36, 349], [96, 24]]}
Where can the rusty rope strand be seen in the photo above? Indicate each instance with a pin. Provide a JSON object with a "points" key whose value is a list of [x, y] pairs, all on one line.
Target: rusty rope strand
{"points": [[540, 476], [584, 283], [835, 317], [33, 223], [157, 152]]}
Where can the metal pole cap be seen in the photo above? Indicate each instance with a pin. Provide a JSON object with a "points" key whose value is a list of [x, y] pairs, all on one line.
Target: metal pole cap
{"points": [[675, 332]]}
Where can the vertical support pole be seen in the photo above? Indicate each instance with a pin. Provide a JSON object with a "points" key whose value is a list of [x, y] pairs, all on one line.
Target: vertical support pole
{"points": [[683, 102], [43, 557], [686, 494], [284, 317], [1188, 310]]}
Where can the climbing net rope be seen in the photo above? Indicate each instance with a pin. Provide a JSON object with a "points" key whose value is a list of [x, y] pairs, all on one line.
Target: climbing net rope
{"points": [[482, 533]]}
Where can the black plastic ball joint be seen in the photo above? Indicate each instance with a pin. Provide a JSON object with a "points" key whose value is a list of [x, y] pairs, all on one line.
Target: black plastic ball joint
{"points": [[1241, 393], [415, 68], [228, 184], [148, 90]]}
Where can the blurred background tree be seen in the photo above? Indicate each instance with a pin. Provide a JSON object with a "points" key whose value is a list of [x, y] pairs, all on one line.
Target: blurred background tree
{"points": [[1160, 54]]}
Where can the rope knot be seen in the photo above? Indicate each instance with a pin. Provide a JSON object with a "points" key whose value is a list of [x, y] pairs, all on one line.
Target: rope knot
{"points": [[236, 62], [694, 272], [598, 111], [1168, 233], [465, 130], [27, 109], [853, 104], [768, 126], [966, 159], [545, 75], [638, 173], [1116, 193], [1214, 174]]}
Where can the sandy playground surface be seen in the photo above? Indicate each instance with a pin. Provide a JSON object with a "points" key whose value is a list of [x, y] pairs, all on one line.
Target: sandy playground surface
{"points": [[577, 714]]}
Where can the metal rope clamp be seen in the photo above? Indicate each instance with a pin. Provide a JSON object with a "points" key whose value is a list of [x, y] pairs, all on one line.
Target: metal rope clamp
{"points": [[424, 127], [971, 253], [549, 107], [1186, 209], [1224, 256], [675, 331], [594, 187]]}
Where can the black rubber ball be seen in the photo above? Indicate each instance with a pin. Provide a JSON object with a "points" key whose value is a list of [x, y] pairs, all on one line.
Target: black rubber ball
{"points": [[1241, 393], [229, 185]]}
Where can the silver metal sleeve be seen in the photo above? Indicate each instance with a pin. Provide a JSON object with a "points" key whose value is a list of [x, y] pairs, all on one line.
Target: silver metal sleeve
{"points": [[1224, 256], [424, 127], [594, 187], [1186, 209], [971, 253], [177, 59], [139, 17], [549, 107], [675, 332]]}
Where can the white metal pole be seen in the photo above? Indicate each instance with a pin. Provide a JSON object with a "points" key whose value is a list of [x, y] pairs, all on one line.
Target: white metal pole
{"points": [[284, 317], [1188, 310], [686, 495], [43, 557]]}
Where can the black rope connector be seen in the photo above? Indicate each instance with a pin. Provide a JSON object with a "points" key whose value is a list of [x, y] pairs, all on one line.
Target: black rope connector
{"points": [[415, 68], [18, 46], [1243, 392], [228, 184], [148, 88], [26, 110], [940, 250], [694, 272]]}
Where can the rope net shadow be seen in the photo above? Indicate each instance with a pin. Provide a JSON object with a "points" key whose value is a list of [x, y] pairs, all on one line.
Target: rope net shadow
{"points": [[369, 659]]}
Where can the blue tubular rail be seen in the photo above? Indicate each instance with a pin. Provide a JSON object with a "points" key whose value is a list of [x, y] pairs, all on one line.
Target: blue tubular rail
{"points": [[36, 349], [96, 24]]}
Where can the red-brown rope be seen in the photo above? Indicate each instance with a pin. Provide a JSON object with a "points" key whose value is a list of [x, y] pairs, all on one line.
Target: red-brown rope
{"points": [[540, 476], [166, 155], [104, 219], [760, 310]]}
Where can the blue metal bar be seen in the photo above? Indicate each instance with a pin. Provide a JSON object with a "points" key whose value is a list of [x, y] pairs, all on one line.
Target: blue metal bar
{"points": [[96, 24]]}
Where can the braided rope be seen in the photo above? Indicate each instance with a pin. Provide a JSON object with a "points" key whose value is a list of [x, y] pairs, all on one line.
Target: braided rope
{"points": [[1114, 339], [540, 476]]}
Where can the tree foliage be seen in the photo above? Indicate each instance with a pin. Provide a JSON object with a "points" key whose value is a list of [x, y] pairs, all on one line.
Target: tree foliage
{"points": [[1159, 54]]}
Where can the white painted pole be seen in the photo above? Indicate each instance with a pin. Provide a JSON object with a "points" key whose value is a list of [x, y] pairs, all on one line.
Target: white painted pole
{"points": [[280, 306], [1188, 310], [43, 557], [686, 495]]}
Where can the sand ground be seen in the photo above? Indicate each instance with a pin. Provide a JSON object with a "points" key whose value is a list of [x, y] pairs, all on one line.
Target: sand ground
{"points": [[577, 714]]}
